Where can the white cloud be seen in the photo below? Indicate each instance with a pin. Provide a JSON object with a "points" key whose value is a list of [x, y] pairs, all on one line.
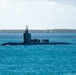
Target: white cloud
{"points": [[47, 14]]}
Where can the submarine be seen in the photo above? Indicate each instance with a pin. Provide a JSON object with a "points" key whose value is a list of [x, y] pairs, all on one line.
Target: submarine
{"points": [[28, 41]]}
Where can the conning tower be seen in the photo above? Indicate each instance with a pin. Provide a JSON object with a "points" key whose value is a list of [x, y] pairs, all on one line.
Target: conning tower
{"points": [[26, 36]]}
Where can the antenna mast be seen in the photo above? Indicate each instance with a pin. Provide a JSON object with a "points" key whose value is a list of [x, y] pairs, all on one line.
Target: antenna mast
{"points": [[27, 28]]}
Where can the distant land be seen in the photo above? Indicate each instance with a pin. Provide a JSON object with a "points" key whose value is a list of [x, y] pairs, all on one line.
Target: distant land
{"points": [[41, 31]]}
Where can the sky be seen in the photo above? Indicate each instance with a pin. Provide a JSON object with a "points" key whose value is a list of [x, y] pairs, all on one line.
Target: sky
{"points": [[38, 14]]}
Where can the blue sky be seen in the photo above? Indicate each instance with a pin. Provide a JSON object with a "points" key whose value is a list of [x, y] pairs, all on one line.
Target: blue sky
{"points": [[38, 14]]}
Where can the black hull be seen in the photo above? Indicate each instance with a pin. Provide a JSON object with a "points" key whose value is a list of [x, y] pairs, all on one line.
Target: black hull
{"points": [[51, 43]]}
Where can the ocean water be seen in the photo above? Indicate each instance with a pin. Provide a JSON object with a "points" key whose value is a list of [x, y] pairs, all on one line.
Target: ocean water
{"points": [[38, 59]]}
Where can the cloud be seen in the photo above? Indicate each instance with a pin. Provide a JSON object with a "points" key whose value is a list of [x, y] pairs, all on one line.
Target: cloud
{"points": [[38, 14], [19, 5], [3, 6]]}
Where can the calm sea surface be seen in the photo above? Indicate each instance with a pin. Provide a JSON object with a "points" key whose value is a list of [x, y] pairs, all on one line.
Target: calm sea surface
{"points": [[38, 59]]}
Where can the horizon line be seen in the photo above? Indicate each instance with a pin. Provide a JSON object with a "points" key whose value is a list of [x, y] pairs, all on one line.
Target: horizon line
{"points": [[42, 29]]}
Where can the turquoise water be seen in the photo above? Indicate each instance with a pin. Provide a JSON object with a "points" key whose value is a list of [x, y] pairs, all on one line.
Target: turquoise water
{"points": [[38, 59]]}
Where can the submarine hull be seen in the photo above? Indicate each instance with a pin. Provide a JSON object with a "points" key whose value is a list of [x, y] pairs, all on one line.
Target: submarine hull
{"points": [[22, 43]]}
